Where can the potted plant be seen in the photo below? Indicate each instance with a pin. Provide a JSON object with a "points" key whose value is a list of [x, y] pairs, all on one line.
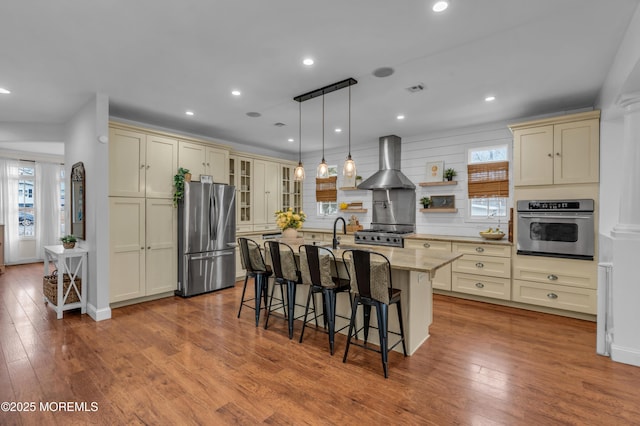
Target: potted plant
{"points": [[68, 241], [358, 180], [178, 184], [449, 174], [289, 221], [425, 201]]}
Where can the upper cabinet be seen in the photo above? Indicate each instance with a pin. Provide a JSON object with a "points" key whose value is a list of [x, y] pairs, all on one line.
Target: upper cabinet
{"points": [[201, 159], [140, 164], [291, 189], [266, 194], [558, 150]]}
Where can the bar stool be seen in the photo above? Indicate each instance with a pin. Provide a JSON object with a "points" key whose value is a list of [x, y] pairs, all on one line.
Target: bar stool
{"points": [[253, 263], [317, 264], [285, 273], [370, 276]]}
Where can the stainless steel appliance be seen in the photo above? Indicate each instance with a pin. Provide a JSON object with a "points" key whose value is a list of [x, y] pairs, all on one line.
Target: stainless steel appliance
{"points": [[394, 199], [206, 238], [556, 228]]}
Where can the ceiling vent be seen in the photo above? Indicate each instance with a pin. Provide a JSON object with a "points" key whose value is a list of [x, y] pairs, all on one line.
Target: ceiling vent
{"points": [[416, 88]]}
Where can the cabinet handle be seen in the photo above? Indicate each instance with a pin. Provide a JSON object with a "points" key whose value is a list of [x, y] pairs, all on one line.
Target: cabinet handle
{"points": [[552, 277], [552, 295], [203, 164], [142, 166], [479, 265], [550, 155], [479, 285], [479, 249], [558, 154], [148, 166], [148, 247], [141, 248], [426, 245], [208, 164]]}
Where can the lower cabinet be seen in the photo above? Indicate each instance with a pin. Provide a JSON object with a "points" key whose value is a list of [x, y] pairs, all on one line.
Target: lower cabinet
{"points": [[142, 247], [442, 277], [483, 270], [567, 284]]}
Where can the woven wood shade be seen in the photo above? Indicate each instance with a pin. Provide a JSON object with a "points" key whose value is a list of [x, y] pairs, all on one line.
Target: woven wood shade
{"points": [[487, 180], [326, 189]]}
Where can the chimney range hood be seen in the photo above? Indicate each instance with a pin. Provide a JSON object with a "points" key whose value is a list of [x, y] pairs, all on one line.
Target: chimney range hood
{"points": [[389, 175]]}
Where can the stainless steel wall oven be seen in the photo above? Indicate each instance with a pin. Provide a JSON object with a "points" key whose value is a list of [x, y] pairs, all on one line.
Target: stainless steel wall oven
{"points": [[556, 228]]}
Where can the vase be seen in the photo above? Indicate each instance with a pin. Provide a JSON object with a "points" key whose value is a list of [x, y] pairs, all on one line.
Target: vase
{"points": [[68, 245], [289, 233]]}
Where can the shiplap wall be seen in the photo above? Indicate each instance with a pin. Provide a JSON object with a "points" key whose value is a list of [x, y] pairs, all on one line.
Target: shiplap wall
{"points": [[450, 147]]}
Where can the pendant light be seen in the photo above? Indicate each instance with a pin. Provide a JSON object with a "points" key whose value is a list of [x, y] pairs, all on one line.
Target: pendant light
{"points": [[349, 169], [323, 169], [298, 173]]}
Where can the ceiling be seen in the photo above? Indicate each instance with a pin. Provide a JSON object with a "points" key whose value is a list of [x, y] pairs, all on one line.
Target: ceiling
{"points": [[157, 59]]}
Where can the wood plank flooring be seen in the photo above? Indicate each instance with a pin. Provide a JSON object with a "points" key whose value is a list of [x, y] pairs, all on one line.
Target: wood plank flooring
{"points": [[191, 361]]}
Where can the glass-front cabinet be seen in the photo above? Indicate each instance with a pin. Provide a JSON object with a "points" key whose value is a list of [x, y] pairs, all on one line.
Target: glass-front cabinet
{"points": [[291, 189], [241, 174]]}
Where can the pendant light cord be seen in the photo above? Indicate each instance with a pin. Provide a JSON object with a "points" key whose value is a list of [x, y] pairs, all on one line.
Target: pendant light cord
{"points": [[349, 122], [323, 127], [300, 133]]}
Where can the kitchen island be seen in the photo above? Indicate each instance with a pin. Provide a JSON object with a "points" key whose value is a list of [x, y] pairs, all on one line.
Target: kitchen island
{"points": [[411, 272]]}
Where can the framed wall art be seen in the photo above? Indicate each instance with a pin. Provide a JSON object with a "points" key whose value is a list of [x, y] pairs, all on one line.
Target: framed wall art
{"points": [[435, 171], [443, 202]]}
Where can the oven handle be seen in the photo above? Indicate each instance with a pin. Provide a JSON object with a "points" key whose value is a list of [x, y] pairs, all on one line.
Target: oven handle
{"points": [[533, 216]]}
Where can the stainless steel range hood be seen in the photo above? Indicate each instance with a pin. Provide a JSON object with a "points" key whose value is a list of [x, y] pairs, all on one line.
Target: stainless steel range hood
{"points": [[389, 175]]}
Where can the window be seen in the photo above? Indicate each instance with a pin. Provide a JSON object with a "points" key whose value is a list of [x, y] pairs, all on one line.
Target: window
{"points": [[26, 211], [488, 181], [329, 207]]}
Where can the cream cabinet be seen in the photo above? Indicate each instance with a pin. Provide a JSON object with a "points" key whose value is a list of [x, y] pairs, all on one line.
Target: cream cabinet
{"points": [[140, 164], [442, 278], [562, 150], [483, 270], [266, 194], [241, 173], [142, 247], [568, 284], [291, 190], [201, 159]]}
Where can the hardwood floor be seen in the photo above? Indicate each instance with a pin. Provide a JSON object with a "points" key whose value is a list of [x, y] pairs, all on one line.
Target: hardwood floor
{"points": [[191, 361]]}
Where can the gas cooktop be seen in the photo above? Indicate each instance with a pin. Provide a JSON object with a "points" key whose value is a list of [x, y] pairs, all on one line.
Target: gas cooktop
{"points": [[381, 237]]}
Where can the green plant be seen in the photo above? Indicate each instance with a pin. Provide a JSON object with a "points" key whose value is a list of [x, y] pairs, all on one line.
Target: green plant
{"points": [[358, 177], [449, 174], [178, 185], [68, 239], [425, 201]]}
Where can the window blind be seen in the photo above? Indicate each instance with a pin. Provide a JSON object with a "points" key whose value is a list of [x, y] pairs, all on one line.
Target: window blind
{"points": [[486, 180], [326, 189]]}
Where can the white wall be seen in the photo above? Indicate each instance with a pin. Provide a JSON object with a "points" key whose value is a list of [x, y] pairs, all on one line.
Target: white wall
{"points": [[623, 253], [83, 130], [450, 147]]}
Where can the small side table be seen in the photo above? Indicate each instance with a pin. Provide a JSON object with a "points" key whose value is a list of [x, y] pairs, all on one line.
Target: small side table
{"points": [[61, 257]]}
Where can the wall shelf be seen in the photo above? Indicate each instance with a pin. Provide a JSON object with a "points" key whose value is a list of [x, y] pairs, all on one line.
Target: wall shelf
{"points": [[443, 183], [437, 210], [350, 188], [354, 210]]}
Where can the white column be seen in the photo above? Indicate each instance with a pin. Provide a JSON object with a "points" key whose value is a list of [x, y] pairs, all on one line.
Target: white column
{"points": [[629, 216]]}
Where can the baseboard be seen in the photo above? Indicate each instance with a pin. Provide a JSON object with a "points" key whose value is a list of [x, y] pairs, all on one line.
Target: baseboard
{"points": [[98, 314], [625, 355]]}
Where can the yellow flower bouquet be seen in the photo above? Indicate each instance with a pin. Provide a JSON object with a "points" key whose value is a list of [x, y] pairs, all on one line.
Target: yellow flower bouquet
{"points": [[288, 219]]}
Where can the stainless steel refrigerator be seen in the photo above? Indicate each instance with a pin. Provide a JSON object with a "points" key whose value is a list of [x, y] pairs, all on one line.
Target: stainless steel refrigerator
{"points": [[206, 238]]}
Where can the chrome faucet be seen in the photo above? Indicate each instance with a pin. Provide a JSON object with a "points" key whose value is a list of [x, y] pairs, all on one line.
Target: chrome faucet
{"points": [[344, 230]]}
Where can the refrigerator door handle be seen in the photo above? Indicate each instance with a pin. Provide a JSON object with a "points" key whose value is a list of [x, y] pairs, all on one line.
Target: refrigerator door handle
{"points": [[212, 225], [211, 256]]}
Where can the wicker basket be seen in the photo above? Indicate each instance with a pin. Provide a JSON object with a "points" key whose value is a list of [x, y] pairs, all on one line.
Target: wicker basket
{"points": [[50, 288]]}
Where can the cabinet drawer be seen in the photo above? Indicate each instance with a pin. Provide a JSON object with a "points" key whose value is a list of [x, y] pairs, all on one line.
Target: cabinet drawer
{"points": [[265, 227], [483, 265], [555, 296], [483, 249], [547, 270], [441, 246], [497, 288], [244, 228]]}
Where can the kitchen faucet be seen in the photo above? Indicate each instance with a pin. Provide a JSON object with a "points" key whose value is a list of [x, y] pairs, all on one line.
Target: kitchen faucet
{"points": [[344, 229]]}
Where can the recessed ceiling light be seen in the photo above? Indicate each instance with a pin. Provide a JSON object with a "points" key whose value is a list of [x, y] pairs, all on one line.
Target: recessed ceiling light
{"points": [[440, 6], [383, 72], [189, 112], [490, 98], [308, 61], [253, 114], [290, 140], [236, 93], [400, 117], [4, 91], [338, 130]]}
